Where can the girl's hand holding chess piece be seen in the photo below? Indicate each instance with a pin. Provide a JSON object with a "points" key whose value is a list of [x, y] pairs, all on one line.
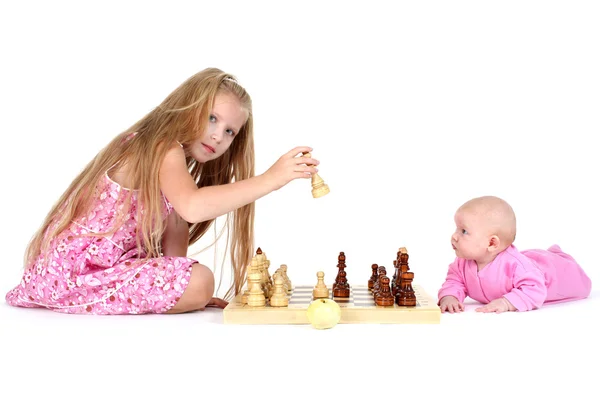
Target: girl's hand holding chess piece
{"points": [[290, 166]]}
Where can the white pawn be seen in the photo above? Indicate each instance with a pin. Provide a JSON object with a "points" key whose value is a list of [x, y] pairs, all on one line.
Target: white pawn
{"points": [[279, 297], [279, 274], [320, 291], [256, 297], [284, 275]]}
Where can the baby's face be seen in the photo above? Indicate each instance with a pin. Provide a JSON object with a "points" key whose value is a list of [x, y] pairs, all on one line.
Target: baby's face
{"points": [[470, 240]]}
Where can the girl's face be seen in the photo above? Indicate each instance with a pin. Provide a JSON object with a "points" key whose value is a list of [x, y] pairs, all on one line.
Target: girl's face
{"points": [[226, 119]]}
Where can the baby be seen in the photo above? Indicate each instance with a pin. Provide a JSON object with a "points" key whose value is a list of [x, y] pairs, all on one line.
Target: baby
{"points": [[489, 268]]}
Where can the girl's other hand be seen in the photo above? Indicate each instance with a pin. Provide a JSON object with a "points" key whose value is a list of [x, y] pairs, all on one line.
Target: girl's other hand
{"points": [[217, 303]]}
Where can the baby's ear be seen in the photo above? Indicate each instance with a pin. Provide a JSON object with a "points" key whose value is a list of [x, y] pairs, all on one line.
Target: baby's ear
{"points": [[494, 243]]}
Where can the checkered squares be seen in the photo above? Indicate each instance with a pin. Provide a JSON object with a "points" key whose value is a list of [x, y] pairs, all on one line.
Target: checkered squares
{"points": [[360, 297]]}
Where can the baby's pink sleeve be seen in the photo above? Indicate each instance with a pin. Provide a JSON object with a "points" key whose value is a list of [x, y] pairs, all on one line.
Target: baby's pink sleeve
{"points": [[529, 289], [454, 285]]}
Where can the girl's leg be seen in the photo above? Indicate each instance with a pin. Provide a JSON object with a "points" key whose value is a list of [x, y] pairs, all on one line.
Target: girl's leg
{"points": [[198, 292]]}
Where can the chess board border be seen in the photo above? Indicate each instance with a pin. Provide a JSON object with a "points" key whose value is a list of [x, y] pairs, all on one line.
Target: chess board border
{"points": [[358, 308]]}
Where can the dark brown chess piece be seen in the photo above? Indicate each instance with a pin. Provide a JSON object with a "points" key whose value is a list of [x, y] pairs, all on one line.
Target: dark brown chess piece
{"points": [[406, 295], [342, 289], [373, 277], [402, 265], [393, 282], [380, 272], [384, 296], [341, 265], [404, 260]]}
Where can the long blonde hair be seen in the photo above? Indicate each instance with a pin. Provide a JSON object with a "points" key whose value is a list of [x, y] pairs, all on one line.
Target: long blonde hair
{"points": [[181, 117]]}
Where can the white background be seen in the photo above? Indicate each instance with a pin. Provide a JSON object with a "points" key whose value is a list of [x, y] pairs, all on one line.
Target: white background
{"points": [[411, 109]]}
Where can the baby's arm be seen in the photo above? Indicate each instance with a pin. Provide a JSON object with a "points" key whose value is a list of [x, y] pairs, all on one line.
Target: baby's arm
{"points": [[529, 290], [497, 306], [453, 291], [451, 304], [195, 204]]}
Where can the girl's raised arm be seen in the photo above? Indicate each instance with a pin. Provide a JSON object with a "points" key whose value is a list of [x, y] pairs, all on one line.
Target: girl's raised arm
{"points": [[201, 204]]}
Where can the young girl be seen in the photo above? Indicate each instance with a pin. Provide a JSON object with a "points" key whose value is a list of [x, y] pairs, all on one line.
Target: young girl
{"points": [[489, 268], [116, 241]]}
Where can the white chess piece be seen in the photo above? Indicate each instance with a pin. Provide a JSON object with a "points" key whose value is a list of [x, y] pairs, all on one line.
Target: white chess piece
{"points": [[320, 291], [256, 298], [284, 275], [279, 297], [253, 268]]}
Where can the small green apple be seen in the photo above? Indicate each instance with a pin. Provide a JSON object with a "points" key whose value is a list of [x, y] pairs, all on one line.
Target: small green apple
{"points": [[324, 313]]}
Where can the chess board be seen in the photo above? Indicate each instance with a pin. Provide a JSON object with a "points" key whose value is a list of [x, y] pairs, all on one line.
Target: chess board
{"points": [[359, 308]]}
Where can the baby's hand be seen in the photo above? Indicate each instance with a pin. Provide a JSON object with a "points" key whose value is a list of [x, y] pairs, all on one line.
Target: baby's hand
{"points": [[290, 167], [451, 304], [498, 306]]}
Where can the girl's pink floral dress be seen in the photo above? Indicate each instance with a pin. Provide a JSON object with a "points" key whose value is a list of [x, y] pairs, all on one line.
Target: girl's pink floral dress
{"points": [[103, 275]]}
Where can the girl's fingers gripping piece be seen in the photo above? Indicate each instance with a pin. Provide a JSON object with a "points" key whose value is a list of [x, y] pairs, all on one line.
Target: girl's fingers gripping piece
{"points": [[307, 161], [306, 169], [298, 150], [302, 175]]}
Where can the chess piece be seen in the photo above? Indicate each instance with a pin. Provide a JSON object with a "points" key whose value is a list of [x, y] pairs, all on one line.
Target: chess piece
{"points": [[260, 256], [263, 265], [373, 278], [284, 275], [320, 291], [279, 297], [406, 295], [342, 289], [403, 265], [381, 272], [253, 268], [384, 296], [341, 265], [256, 297], [268, 280], [276, 275], [393, 281], [319, 188]]}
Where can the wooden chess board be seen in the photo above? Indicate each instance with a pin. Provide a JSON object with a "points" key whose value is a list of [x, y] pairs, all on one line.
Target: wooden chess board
{"points": [[359, 308]]}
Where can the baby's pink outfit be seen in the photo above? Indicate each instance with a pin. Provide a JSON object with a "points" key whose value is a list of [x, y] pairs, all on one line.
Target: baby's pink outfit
{"points": [[103, 275], [527, 279]]}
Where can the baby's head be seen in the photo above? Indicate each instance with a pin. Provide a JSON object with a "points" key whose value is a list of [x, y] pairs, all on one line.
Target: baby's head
{"points": [[485, 226]]}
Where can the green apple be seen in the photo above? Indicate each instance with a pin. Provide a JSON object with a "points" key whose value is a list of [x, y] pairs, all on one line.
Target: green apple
{"points": [[324, 313]]}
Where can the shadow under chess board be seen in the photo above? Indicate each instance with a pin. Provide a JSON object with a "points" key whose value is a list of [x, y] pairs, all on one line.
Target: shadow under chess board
{"points": [[359, 308]]}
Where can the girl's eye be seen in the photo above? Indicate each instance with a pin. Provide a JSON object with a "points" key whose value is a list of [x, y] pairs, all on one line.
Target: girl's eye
{"points": [[213, 118], [230, 132], [464, 231]]}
